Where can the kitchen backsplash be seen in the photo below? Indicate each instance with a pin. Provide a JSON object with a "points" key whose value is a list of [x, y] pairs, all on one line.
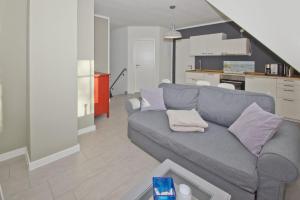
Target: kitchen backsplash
{"points": [[239, 67]]}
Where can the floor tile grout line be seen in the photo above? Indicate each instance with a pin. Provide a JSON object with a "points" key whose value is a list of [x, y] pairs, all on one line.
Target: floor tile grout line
{"points": [[9, 169], [96, 173], [74, 195], [67, 191], [50, 188], [77, 185]]}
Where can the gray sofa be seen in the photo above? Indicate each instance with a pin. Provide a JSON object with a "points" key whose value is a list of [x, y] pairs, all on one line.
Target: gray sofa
{"points": [[217, 155]]}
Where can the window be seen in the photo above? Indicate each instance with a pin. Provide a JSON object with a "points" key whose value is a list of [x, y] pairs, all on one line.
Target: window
{"points": [[85, 73]]}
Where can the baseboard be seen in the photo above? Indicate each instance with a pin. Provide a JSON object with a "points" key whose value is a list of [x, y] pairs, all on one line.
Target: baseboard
{"points": [[54, 157], [41, 162], [1, 193], [86, 130], [12, 154]]}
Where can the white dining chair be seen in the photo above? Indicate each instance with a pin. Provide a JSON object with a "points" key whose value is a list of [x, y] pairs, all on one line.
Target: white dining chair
{"points": [[226, 86], [202, 83], [166, 81]]}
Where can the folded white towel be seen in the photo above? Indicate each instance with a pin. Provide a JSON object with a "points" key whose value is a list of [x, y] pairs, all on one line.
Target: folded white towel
{"points": [[186, 121], [186, 128]]}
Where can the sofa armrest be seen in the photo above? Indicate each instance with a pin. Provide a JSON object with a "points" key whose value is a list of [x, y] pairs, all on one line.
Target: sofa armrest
{"points": [[132, 105], [280, 157]]}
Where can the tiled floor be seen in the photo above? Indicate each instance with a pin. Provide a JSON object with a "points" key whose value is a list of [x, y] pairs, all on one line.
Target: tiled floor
{"points": [[107, 167]]}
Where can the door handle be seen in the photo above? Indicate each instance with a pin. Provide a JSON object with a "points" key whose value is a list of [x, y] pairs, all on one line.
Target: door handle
{"points": [[288, 90], [288, 85], [290, 100]]}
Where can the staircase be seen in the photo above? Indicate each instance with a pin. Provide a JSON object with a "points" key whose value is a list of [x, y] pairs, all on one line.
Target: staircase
{"points": [[122, 73], [273, 23]]}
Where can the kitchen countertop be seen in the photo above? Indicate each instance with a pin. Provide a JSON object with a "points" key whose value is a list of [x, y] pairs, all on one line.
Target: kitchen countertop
{"points": [[250, 74], [206, 71]]}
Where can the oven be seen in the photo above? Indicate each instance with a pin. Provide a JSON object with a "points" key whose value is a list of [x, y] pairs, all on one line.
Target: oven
{"points": [[237, 80]]}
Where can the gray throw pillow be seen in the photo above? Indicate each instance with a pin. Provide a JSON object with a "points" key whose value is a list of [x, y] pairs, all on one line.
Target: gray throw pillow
{"points": [[255, 127], [152, 99]]}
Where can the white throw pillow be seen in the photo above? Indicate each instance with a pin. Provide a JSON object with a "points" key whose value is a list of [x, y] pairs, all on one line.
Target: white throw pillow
{"points": [[152, 99]]}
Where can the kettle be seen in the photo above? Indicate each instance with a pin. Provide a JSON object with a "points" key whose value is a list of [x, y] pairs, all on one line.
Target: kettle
{"points": [[268, 69]]}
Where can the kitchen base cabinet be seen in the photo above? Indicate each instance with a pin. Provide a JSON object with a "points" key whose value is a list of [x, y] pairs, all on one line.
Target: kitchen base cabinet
{"points": [[288, 108], [286, 93], [262, 85], [288, 98]]}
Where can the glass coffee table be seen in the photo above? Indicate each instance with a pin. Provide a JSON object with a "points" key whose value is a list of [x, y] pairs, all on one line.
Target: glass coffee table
{"points": [[201, 189]]}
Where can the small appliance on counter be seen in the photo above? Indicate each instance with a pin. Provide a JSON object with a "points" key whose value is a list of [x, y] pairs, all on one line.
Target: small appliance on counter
{"points": [[278, 69], [267, 69], [290, 71], [273, 69]]}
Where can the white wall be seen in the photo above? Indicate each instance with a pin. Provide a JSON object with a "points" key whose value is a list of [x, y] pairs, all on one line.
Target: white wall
{"points": [[13, 36], [274, 23], [102, 44], [165, 68], [183, 60], [85, 29], [119, 58], [52, 76]]}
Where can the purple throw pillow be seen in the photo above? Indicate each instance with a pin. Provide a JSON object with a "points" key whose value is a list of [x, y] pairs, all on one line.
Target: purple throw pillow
{"points": [[255, 127], [152, 99]]}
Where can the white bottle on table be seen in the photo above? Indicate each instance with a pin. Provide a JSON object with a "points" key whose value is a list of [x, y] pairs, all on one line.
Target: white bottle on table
{"points": [[184, 192]]}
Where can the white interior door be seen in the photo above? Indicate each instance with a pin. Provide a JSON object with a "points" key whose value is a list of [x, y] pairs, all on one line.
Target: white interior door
{"points": [[144, 63]]}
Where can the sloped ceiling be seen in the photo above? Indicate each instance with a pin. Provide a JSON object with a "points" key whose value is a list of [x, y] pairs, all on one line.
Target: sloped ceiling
{"points": [[273, 23], [157, 12]]}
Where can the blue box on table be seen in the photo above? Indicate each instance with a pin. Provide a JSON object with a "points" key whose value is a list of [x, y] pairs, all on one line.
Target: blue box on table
{"points": [[163, 188]]}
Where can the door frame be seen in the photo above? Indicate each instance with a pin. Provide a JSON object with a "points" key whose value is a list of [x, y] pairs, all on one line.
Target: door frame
{"points": [[133, 59]]}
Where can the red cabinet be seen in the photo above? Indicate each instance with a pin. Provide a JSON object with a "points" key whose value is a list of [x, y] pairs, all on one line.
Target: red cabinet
{"points": [[101, 95]]}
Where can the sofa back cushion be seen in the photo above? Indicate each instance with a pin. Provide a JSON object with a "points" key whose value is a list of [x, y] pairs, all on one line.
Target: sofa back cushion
{"points": [[180, 97], [223, 106]]}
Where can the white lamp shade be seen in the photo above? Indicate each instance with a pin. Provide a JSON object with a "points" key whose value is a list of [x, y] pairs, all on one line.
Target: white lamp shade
{"points": [[172, 33]]}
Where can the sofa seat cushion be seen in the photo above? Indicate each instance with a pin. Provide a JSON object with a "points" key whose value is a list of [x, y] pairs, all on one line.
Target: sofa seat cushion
{"points": [[216, 150]]}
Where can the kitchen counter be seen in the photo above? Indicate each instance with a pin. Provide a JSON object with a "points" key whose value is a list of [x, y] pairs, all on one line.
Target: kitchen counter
{"points": [[271, 76], [249, 74], [206, 71]]}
